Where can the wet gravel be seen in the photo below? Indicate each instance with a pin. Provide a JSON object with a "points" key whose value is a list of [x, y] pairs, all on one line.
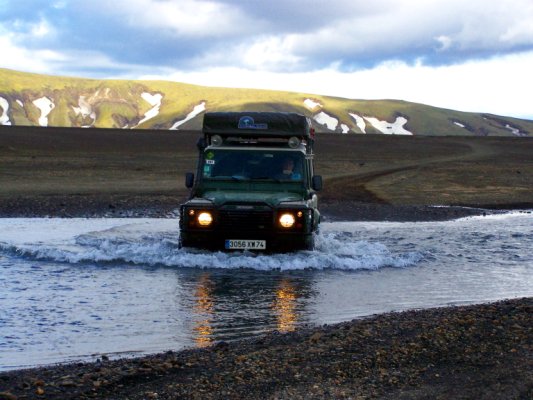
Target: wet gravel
{"points": [[92, 206], [468, 352], [167, 206], [357, 211]]}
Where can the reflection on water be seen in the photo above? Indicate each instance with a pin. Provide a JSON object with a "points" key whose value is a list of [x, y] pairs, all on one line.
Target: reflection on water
{"points": [[284, 306], [203, 309], [225, 305]]}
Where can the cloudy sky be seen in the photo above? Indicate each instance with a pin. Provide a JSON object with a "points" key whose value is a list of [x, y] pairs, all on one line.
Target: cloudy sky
{"points": [[474, 55]]}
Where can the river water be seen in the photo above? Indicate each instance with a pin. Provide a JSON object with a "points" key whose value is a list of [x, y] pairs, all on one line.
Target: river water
{"points": [[74, 289]]}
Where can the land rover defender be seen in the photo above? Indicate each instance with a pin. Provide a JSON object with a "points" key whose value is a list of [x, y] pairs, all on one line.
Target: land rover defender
{"points": [[255, 187]]}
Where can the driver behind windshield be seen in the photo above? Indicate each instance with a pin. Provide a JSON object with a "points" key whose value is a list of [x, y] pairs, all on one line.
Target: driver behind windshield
{"points": [[241, 165], [287, 170]]}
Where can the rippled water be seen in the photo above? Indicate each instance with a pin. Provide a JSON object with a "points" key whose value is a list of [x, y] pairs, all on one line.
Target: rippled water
{"points": [[75, 288]]}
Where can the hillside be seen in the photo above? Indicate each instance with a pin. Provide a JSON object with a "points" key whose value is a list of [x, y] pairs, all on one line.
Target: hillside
{"points": [[41, 100]]}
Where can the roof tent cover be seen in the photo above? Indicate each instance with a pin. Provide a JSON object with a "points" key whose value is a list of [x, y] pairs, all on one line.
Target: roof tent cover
{"points": [[257, 124]]}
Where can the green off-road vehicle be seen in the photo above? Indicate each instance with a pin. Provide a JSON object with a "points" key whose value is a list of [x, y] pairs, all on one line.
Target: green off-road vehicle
{"points": [[255, 187]]}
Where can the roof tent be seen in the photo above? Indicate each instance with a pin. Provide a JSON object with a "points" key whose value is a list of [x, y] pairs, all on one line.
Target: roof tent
{"points": [[256, 125]]}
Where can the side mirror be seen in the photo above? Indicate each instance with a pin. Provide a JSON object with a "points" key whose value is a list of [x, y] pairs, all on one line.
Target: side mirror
{"points": [[201, 144], [189, 180], [317, 182]]}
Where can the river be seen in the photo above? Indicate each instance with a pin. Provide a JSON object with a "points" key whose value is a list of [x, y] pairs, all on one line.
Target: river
{"points": [[75, 289]]}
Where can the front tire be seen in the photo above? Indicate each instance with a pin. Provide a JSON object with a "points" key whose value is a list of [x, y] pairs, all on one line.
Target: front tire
{"points": [[310, 243]]}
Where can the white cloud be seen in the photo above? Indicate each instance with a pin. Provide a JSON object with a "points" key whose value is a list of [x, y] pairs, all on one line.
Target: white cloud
{"points": [[500, 85], [480, 24], [25, 31], [59, 5], [47, 61], [17, 57], [407, 27], [183, 18], [41, 29], [269, 53], [286, 35], [518, 33], [444, 41]]}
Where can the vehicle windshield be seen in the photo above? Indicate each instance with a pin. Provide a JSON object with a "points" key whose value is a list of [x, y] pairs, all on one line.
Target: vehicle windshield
{"points": [[221, 164]]}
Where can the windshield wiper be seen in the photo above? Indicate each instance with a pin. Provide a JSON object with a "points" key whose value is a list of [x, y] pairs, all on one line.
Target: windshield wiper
{"points": [[265, 178], [239, 178]]}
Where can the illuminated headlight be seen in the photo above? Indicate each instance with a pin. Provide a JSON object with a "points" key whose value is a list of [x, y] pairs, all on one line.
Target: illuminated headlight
{"points": [[286, 220], [204, 218]]}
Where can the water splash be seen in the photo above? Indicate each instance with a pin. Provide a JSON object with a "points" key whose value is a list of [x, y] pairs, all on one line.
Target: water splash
{"points": [[154, 242]]}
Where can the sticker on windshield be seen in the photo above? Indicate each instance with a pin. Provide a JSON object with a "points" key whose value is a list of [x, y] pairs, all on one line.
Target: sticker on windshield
{"points": [[210, 155], [210, 162]]}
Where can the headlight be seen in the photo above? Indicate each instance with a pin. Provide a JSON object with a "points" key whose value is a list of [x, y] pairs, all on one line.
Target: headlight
{"points": [[286, 220], [205, 218]]}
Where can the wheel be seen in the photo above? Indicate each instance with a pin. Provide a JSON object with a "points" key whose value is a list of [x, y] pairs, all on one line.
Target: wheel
{"points": [[310, 243]]}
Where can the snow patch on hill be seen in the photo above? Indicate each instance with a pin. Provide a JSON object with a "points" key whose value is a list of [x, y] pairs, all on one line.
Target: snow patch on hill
{"points": [[155, 101], [359, 121], [196, 110], [345, 128], [459, 124], [85, 110], [324, 119], [46, 106], [395, 128], [514, 131], [311, 104], [4, 106]]}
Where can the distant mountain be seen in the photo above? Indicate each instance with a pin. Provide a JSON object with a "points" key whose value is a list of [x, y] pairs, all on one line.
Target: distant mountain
{"points": [[32, 99]]}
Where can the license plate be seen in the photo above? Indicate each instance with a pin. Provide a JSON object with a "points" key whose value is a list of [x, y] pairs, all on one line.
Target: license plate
{"points": [[239, 244]]}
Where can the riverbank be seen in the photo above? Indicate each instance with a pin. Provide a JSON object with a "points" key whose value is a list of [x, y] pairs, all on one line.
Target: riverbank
{"points": [[480, 351], [167, 206]]}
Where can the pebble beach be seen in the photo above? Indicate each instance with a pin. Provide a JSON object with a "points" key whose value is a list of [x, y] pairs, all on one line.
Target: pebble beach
{"points": [[468, 352]]}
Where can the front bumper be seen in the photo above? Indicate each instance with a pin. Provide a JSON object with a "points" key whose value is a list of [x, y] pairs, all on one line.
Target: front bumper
{"points": [[274, 242], [246, 222]]}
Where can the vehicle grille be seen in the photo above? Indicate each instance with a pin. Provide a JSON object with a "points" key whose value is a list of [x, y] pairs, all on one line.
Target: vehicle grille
{"points": [[245, 220]]}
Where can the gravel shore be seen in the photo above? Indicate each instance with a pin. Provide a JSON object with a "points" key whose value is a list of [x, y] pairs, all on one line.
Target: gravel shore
{"points": [[167, 206], [468, 352]]}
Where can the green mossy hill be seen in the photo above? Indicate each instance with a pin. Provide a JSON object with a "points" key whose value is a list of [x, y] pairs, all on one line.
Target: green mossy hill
{"points": [[121, 104]]}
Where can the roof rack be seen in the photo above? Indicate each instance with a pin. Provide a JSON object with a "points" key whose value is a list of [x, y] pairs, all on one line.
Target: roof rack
{"points": [[257, 125]]}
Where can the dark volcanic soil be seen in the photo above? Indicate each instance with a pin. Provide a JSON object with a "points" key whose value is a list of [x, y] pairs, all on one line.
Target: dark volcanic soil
{"points": [[77, 172]]}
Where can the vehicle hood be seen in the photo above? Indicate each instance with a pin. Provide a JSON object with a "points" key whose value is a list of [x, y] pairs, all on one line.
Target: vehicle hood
{"points": [[272, 199]]}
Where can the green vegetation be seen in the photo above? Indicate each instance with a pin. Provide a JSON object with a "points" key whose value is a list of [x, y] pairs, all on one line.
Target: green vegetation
{"points": [[118, 103]]}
